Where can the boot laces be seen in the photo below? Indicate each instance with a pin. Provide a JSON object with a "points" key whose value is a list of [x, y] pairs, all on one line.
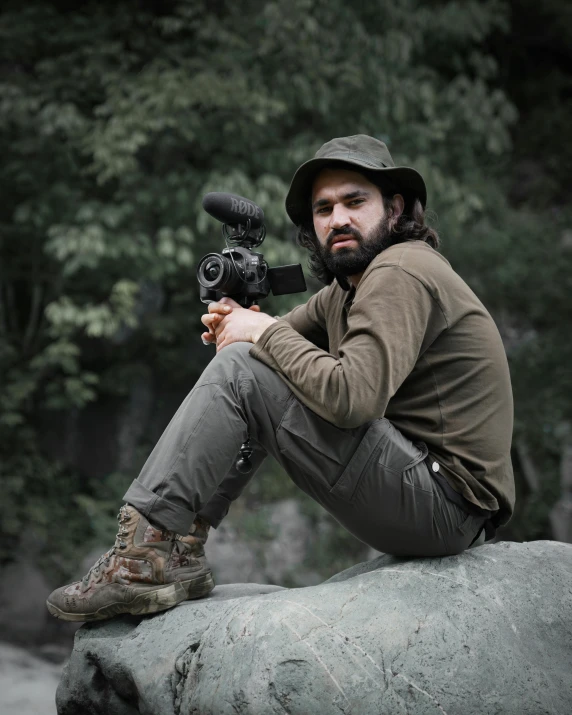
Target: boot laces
{"points": [[104, 560], [179, 546]]}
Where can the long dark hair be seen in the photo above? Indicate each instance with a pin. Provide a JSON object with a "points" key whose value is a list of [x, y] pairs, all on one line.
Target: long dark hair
{"points": [[410, 226]]}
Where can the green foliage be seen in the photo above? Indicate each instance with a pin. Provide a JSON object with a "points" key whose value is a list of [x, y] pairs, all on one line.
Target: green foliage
{"points": [[49, 514], [116, 118]]}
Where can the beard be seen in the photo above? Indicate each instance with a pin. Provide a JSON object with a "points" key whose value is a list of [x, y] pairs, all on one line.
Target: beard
{"points": [[348, 261]]}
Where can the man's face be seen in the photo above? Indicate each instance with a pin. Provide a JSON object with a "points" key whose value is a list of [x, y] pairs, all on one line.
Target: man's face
{"points": [[350, 221]]}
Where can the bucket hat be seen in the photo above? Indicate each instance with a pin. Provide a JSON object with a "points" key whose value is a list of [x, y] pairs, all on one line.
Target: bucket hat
{"points": [[361, 151]]}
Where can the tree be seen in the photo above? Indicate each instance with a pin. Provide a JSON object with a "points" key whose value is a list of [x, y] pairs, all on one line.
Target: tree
{"points": [[117, 118]]}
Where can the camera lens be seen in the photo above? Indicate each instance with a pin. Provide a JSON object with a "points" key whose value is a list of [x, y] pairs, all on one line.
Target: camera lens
{"points": [[219, 273], [212, 270]]}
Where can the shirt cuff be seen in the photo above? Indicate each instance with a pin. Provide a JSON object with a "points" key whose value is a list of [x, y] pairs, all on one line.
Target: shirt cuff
{"points": [[262, 349]]}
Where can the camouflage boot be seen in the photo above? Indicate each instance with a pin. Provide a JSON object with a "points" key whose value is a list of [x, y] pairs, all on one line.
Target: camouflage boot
{"points": [[146, 570], [195, 541]]}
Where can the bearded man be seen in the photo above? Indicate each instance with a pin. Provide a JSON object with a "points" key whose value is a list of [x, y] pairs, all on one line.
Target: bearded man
{"points": [[386, 397]]}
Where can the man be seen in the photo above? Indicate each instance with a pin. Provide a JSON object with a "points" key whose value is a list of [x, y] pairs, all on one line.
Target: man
{"points": [[386, 398]]}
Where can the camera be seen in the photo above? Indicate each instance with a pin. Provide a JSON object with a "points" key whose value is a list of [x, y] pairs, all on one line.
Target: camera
{"points": [[240, 272]]}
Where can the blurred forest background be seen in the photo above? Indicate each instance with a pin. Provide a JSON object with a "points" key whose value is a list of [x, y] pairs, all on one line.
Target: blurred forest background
{"points": [[117, 117]]}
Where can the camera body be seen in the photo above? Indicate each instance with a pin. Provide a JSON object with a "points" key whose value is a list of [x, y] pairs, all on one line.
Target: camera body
{"points": [[240, 272], [237, 272]]}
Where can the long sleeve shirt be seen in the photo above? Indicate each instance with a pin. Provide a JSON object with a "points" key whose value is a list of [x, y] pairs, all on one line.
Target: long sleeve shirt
{"points": [[413, 344]]}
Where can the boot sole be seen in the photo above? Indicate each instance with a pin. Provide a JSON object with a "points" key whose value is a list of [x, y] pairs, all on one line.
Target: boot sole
{"points": [[199, 587], [159, 599]]}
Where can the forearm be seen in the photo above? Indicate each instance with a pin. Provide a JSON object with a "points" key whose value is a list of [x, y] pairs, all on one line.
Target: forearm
{"points": [[309, 321], [386, 328], [338, 389]]}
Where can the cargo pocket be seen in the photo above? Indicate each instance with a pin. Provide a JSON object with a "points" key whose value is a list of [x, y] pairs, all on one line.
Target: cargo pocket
{"points": [[466, 531], [457, 526], [399, 453], [385, 446], [317, 447], [372, 442]]}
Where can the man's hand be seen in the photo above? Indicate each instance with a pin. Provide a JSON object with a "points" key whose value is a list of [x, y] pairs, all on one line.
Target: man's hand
{"points": [[228, 322]]}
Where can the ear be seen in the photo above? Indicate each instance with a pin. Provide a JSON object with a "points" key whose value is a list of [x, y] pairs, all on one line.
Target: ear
{"points": [[398, 203]]}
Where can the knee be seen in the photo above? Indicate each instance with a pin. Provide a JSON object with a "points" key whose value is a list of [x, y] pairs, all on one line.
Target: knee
{"points": [[232, 357], [235, 362]]}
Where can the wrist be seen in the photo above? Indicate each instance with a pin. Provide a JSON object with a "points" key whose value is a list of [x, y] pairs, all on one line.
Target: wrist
{"points": [[262, 327]]}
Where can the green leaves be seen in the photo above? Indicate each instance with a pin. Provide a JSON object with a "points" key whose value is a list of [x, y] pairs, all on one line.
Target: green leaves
{"points": [[102, 320], [116, 119], [119, 119]]}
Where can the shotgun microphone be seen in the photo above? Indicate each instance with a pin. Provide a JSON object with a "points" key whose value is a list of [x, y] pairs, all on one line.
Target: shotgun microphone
{"points": [[231, 209]]}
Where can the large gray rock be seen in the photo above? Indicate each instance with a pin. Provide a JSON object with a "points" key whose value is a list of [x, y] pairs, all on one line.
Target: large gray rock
{"points": [[488, 631]]}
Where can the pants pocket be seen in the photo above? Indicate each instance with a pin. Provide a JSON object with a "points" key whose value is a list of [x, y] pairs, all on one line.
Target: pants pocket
{"points": [[371, 443], [385, 445], [399, 453], [318, 448], [458, 527]]}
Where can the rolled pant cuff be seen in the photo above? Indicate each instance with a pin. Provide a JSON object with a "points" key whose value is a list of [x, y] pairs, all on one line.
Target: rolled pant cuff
{"points": [[159, 511], [215, 511]]}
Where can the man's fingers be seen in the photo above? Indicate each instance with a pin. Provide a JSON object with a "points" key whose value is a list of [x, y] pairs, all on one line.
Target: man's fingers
{"points": [[225, 300], [221, 308], [211, 321], [226, 305], [222, 339]]}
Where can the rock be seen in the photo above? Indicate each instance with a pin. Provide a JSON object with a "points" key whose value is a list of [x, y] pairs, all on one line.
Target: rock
{"points": [[488, 631]]}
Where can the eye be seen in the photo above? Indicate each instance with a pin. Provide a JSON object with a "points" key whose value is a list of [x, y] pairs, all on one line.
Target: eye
{"points": [[356, 202]]}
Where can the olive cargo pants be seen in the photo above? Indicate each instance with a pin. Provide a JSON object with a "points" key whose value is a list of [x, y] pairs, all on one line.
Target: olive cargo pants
{"points": [[372, 479]]}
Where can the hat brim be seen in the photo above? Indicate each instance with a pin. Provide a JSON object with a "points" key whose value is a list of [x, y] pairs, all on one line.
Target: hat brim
{"points": [[298, 199]]}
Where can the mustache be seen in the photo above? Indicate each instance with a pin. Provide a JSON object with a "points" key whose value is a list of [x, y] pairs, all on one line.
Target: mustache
{"points": [[344, 231]]}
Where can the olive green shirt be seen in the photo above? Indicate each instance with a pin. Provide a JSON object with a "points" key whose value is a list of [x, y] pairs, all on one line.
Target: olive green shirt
{"points": [[413, 344]]}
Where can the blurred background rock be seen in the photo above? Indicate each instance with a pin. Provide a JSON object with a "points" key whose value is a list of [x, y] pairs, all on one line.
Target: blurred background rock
{"points": [[116, 118]]}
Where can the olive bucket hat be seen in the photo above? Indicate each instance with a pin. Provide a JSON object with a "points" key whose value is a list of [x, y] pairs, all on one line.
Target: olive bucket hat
{"points": [[360, 151]]}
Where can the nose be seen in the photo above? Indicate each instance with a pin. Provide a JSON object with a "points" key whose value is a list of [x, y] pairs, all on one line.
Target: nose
{"points": [[339, 216]]}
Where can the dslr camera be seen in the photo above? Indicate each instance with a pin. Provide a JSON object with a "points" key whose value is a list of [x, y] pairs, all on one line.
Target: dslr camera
{"points": [[240, 272]]}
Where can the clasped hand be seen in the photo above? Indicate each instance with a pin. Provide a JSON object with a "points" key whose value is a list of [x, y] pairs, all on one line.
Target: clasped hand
{"points": [[228, 322]]}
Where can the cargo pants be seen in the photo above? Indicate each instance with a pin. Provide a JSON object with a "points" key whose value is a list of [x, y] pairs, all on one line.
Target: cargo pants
{"points": [[372, 479]]}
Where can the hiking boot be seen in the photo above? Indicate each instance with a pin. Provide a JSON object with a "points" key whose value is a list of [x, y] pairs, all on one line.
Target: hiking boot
{"points": [[147, 570], [195, 541]]}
